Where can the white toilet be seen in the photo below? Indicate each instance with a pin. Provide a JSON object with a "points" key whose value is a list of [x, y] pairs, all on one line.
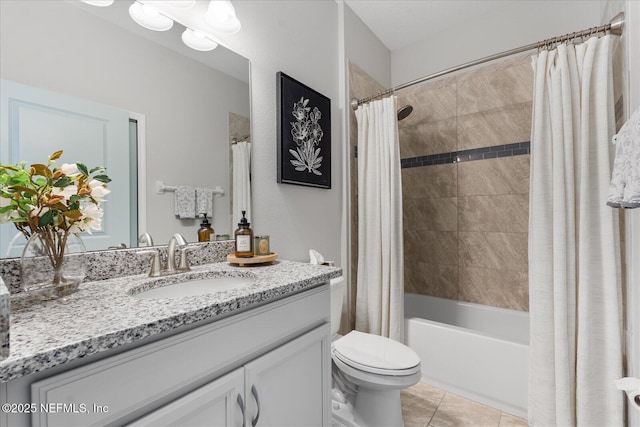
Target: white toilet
{"points": [[368, 372]]}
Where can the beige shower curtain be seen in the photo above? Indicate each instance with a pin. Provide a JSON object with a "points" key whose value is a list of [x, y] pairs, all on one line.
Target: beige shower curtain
{"points": [[380, 285], [574, 258]]}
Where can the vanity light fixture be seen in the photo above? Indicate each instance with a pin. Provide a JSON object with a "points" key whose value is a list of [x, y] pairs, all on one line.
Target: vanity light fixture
{"points": [[149, 17], [99, 3], [152, 14], [183, 4], [197, 40], [221, 17]]}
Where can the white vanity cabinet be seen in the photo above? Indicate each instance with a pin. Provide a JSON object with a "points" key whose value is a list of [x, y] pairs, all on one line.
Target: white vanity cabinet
{"points": [[281, 388], [266, 366]]}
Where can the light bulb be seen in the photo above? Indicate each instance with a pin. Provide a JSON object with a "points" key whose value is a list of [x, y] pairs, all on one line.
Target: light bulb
{"points": [[99, 3], [197, 40], [221, 17], [149, 17], [183, 4]]}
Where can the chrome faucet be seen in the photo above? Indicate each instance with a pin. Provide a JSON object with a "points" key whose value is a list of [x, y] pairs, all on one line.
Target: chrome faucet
{"points": [[177, 240], [145, 239]]}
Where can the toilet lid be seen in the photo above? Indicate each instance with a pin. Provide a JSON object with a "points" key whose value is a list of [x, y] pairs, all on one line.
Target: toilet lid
{"points": [[378, 353]]}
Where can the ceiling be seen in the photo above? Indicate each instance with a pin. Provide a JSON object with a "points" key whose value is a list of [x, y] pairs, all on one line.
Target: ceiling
{"points": [[420, 18]]}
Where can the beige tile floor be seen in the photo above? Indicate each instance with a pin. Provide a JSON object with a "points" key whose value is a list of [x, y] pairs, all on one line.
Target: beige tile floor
{"points": [[427, 406]]}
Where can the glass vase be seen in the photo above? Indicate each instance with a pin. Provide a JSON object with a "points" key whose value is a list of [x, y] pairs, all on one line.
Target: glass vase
{"points": [[53, 264]]}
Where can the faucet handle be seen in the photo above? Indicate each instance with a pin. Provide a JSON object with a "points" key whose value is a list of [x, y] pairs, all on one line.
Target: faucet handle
{"points": [[155, 261], [184, 261], [145, 238]]}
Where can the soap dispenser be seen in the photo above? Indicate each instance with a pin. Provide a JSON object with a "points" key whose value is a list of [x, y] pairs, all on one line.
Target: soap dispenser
{"points": [[244, 238], [205, 231]]}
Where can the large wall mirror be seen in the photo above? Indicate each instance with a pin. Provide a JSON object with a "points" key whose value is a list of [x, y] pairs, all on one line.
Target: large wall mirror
{"points": [[185, 108]]}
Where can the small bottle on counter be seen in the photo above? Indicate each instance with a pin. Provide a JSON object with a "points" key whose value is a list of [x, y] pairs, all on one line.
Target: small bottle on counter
{"points": [[244, 238], [205, 231]]}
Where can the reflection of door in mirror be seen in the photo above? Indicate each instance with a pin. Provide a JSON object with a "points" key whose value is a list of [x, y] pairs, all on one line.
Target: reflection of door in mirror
{"points": [[35, 123], [101, 55], [240, 167]]}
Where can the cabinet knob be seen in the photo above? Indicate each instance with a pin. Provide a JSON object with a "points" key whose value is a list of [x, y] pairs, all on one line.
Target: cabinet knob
{"points": [[255, 396]]}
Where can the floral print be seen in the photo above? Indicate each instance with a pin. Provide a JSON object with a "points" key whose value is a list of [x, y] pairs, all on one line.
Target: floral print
{"points": [[307, 134]]}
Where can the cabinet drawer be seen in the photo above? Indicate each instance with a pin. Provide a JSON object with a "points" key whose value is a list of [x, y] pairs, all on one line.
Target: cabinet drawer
{"points": [[135, 379]]}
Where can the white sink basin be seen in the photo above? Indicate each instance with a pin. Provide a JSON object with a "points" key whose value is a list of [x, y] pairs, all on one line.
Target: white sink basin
{"points": [[196, 287]]}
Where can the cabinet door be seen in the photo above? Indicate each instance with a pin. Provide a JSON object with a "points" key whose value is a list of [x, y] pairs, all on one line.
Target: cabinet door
{"points": [[219, 403], [289, 386]]}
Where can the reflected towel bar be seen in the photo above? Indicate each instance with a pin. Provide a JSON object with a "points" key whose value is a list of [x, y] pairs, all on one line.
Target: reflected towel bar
{"points": [[161, 189]]}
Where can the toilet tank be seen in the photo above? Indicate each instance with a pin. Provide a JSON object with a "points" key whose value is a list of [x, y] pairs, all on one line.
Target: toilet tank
{"points": [[337, 296]]}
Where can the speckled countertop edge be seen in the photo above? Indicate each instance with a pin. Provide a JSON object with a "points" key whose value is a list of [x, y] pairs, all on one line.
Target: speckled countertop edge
{"points": [[103, 315]]}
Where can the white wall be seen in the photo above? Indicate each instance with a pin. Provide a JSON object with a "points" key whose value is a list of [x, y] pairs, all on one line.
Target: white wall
{"points": [[56, 46], [299, 38], [517, 24], [363, 48]]}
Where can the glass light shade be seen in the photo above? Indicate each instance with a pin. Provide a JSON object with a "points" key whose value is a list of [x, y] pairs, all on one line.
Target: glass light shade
{"points": [[197, 40], [184, 4], [221, 17], [99, 3], [149, 17]]}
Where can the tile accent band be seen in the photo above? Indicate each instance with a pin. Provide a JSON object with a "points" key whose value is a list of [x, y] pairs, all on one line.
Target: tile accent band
{"points": [[495, 151]]}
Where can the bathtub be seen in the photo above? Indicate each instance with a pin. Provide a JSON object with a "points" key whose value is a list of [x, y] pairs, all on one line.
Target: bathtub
{"points": [[476, 351]]}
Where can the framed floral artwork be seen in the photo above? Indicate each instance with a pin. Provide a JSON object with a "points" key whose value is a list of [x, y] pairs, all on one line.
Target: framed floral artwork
{"points": [[304, 132]]}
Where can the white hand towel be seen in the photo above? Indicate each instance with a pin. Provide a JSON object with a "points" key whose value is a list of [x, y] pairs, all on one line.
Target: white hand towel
{"points": [[624, 190], [204, 202], [185, 202]]}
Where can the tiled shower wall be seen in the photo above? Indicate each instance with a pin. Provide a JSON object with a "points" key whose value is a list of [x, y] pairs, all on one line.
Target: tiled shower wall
{"points": [[465, 222], [466, 219]]}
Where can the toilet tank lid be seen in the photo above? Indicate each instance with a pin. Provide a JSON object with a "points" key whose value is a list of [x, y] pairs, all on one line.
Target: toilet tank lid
{"points": [[376, 351]]}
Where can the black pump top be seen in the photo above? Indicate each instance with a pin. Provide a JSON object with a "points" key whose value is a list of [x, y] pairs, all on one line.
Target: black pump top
{"points": [[205, 222], [243, 222]]}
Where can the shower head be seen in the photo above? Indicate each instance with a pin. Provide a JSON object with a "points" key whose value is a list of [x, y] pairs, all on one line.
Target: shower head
{"points": [[404, 111]]}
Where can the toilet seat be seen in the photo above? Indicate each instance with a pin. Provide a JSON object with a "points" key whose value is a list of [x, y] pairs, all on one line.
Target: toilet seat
{"points": [[375, 354]]}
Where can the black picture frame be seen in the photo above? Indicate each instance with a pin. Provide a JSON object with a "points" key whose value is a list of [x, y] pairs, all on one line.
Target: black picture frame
{"points": [[304, 134]]}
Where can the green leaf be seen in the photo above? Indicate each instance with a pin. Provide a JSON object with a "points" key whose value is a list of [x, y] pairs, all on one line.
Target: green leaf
{"points": [[82, 168], [62, 182], [98, 169], [6, 209], [46, 219], [102, 178]]}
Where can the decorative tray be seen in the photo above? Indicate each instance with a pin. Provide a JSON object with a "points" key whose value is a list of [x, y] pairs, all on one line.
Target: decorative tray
{"points": [[256, 259]]}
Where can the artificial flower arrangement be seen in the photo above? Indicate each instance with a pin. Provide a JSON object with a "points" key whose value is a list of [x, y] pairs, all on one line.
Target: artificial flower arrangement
{"points": [[52, 203]]}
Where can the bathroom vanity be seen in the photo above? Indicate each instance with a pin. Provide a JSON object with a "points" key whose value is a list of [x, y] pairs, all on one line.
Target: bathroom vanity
{"points": [[257, 354]]}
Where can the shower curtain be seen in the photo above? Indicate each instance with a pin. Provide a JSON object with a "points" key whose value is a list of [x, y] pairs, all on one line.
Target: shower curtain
{"points": [[380, 285], [241, 161], [574, 258]]}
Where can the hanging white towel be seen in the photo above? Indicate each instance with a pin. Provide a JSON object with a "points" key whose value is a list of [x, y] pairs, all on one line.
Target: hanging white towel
{"points": [[204, 202], [185, 202], [624, 190]]}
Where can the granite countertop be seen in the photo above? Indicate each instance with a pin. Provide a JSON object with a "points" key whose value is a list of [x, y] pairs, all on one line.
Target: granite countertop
{"points": [[103, 314]]}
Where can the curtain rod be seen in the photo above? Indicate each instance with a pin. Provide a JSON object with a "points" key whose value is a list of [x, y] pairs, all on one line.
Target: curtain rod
{"points": [[615, 26]]}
